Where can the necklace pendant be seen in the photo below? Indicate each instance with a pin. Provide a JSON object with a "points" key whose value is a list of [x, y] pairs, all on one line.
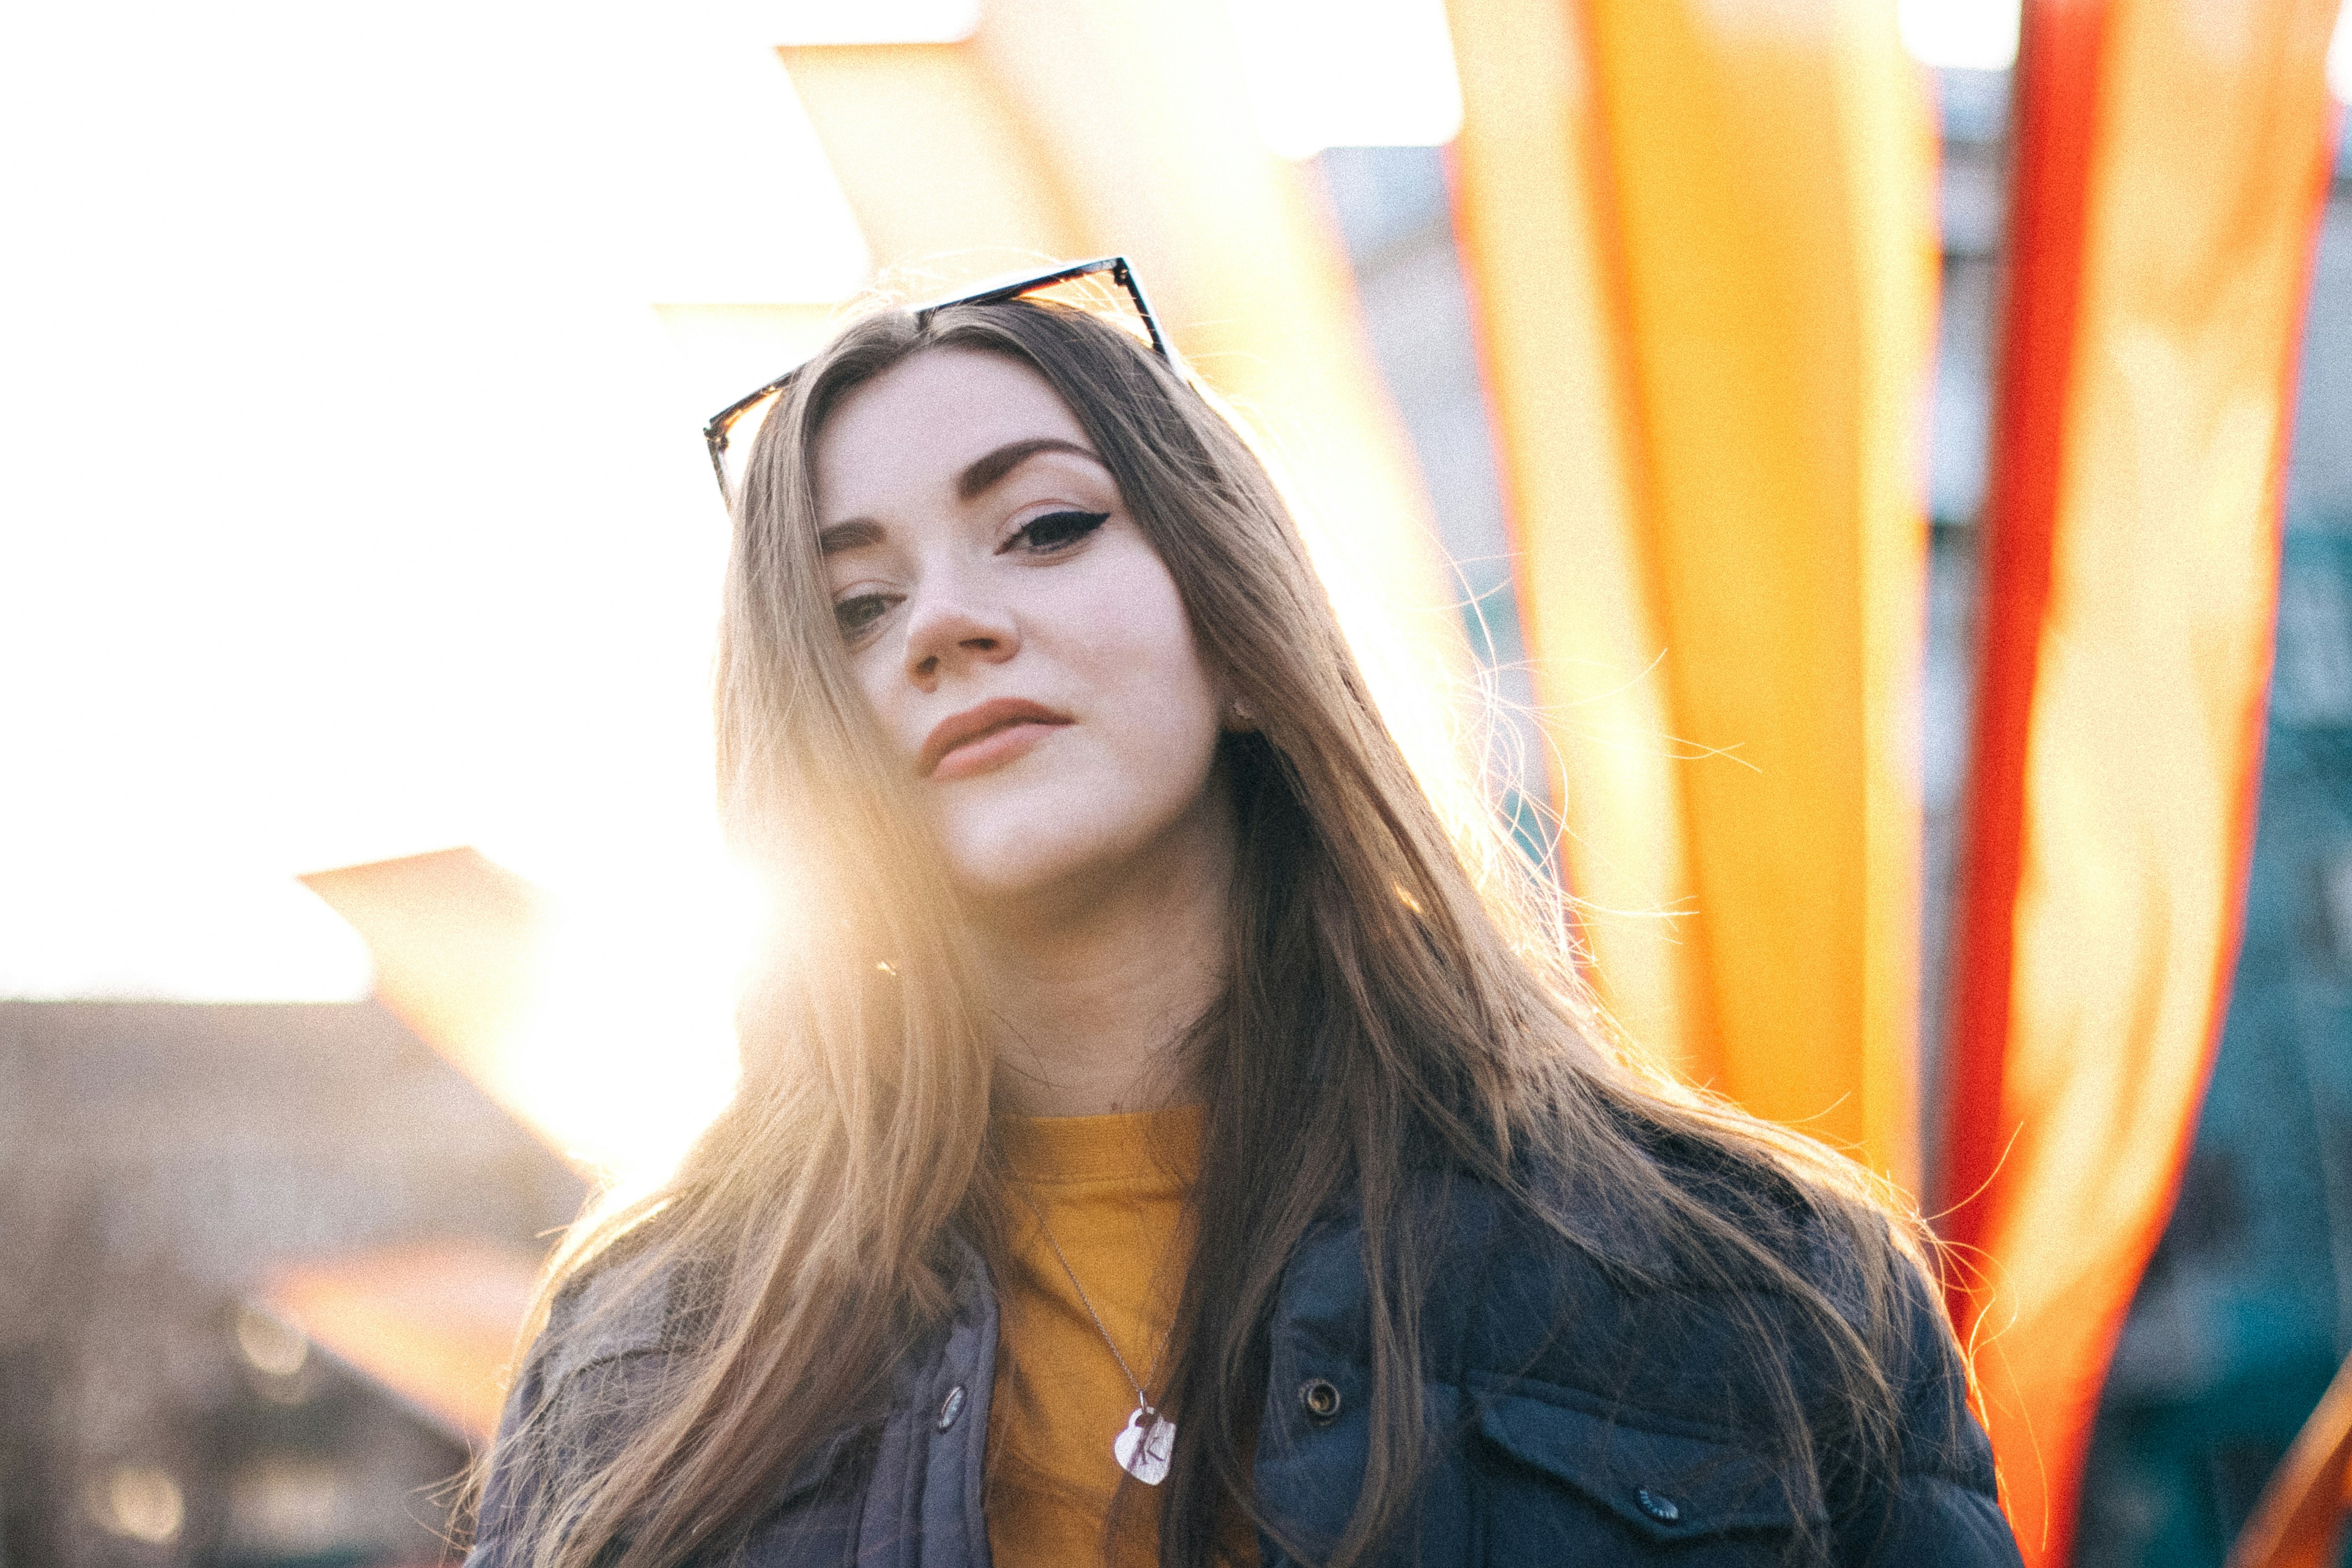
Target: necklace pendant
{"points": [[1142, 1451]]}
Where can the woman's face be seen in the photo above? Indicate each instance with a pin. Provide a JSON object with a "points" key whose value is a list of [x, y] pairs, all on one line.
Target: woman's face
{"points": [[1020, 642]]}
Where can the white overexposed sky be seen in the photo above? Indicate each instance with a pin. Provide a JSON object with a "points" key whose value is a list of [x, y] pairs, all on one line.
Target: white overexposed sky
{"points": [[1342, 73], [1969, 35], [352, 503]]}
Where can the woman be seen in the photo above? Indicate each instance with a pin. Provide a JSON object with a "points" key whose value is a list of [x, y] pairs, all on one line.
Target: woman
{"points": [[1162, 1140]]}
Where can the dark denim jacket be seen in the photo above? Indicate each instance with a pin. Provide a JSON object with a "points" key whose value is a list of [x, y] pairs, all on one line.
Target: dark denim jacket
{"points": [[1577, 1422]]}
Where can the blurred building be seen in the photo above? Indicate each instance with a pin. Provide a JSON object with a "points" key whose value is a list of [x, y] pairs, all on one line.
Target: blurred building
{"points": [[161, 1165]]}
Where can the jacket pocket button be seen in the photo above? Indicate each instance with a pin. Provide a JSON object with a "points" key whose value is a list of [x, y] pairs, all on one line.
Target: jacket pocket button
{"points": [[1661, 1509], [1321, 1397], [951, 1407]]}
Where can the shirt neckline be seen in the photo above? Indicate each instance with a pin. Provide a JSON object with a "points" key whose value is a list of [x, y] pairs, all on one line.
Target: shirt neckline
{"points": [[1134, 1145]]}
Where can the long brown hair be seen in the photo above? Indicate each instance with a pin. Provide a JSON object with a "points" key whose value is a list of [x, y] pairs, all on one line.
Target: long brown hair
{"points": [[1400, 998]]}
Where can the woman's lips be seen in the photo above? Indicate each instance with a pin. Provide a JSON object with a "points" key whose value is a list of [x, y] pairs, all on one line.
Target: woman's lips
{"points": [[985, 736]]}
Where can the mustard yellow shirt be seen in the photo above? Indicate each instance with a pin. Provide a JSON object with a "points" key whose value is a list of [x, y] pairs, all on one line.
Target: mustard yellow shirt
{"points": [[1112, 1189]]}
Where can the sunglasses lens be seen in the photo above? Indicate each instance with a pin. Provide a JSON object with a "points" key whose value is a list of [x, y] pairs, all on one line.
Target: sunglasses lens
{"points": [[741, 436], [1099, 296]]}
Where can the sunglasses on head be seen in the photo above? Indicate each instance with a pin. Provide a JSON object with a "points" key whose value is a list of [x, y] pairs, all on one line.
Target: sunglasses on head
{"points": [[1078, 284]]}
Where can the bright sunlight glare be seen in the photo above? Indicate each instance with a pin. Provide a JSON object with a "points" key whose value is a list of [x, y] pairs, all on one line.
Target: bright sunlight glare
{"points": [[628, 1047], [871, 21], [1346, 73], [1960, 34]]}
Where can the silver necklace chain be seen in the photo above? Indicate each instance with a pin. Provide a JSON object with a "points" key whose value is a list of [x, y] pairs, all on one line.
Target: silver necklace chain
{"points": [[1143, 1400]]}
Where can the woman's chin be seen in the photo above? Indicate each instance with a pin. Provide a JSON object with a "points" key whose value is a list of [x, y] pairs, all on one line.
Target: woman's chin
{"points": [[1019, 876], [1054, 857], [1028, 875]]}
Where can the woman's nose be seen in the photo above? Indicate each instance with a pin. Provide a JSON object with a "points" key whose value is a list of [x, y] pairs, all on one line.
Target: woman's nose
{"points": [[948, 626]]}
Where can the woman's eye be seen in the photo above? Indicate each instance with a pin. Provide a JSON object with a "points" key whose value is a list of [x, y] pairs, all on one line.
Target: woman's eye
{"points": [[854, 615], [1058, 530]]}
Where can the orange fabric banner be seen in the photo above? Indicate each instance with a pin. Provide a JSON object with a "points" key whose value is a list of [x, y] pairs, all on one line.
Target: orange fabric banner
{"points": [[2160, 260], [1701, 242]]}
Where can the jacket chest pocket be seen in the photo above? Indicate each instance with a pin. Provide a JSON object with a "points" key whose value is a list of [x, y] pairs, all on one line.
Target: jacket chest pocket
{"points": [[1561, 1484]]}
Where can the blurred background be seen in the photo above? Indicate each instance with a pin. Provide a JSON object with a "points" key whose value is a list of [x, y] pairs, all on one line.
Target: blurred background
{"points": [[361, 907]]}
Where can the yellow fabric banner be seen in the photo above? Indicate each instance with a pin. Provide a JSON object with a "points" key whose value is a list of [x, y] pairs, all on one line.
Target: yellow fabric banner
{"points": [[1701, 239]]}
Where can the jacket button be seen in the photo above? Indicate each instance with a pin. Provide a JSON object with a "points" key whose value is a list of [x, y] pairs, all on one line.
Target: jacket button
{"points": [[1661, 1509], [952, 1407], [1321, 1397]]}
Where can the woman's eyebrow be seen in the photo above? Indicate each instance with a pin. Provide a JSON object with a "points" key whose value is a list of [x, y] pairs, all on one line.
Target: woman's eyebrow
{"points": [[985, 471], [860, 534], [857, 533]]}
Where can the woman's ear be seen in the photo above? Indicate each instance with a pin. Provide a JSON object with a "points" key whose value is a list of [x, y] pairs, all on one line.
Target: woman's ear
{"points": [[1236, 717]]}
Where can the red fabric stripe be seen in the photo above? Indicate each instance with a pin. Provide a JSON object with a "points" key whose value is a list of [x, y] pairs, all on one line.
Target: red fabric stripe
{"points": [[2052, 118]]}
